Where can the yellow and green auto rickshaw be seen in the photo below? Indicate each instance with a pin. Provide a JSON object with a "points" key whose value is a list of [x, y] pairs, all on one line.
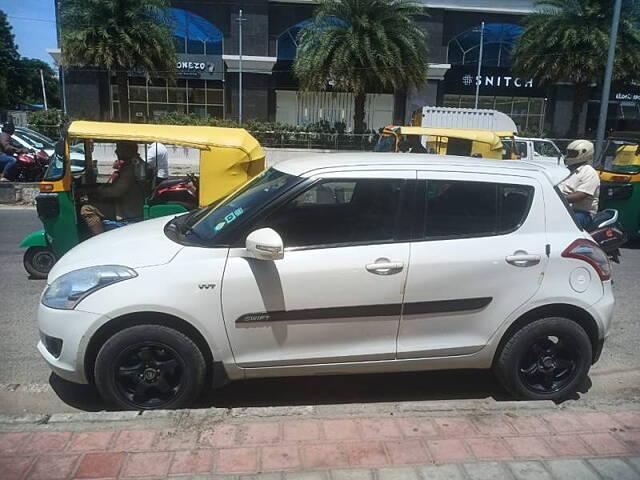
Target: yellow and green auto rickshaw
{"points": [[619, 169], [227, 157], [441, 141]]}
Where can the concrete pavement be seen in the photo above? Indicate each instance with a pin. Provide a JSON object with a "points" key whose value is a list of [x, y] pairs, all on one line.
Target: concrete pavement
{"points": [[518, 443]]}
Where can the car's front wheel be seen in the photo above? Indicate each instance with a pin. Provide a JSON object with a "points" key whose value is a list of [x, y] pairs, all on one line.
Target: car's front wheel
{"points": [[548, 359], [149, 367]]}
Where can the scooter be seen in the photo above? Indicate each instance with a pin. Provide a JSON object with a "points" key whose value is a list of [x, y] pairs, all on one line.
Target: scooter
{"points": [[607, 231], [30, 167], [179, 191]]}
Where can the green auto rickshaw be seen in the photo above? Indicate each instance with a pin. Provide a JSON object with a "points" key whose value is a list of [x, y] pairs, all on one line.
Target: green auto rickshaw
{"points": [[227, 158], [619, 170]]}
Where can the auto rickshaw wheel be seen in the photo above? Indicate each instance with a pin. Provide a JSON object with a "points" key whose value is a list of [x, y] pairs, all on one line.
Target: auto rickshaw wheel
{"points": [[38, 261]]}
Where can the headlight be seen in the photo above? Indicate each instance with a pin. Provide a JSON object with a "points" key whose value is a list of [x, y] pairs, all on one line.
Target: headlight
{"points": [[69, 289]]}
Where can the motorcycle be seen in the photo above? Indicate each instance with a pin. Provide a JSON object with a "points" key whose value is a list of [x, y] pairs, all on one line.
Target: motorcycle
{"points": [[179, 191], [607, 231], [30, 167]]}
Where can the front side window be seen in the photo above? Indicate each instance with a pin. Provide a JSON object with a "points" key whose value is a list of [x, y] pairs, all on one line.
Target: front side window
{"points": [[473, 209], [546, 149], [55, 170], [334, 212]]}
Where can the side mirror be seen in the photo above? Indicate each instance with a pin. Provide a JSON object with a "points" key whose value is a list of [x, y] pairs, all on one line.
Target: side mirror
{"points": [[265, 244]]}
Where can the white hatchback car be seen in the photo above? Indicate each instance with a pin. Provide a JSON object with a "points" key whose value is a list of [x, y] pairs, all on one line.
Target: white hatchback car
{"points": [[338, 264]]}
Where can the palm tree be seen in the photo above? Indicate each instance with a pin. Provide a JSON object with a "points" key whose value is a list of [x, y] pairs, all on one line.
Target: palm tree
{"points": [[566, 41], [119, 35], [361, 45]]}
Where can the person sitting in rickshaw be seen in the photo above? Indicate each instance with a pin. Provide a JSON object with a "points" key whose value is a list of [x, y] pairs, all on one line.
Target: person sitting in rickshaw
{"points": [[121, 198]]}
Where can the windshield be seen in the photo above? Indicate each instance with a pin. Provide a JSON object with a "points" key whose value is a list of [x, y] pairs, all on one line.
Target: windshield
{"points": [[55, 171], [35, 139], [621, 157], [211, 222]]}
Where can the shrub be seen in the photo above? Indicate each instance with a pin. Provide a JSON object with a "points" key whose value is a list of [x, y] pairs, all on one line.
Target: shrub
{"points": [[47, 122]]}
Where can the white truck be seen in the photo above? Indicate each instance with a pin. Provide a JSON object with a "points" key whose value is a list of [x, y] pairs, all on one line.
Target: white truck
{"points": [[537, 150]]}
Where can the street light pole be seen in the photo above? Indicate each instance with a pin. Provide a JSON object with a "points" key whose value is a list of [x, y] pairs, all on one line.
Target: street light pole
{"points": [[240, 20], [61, 67], [478, 79], [606, 85], [44, 91]]}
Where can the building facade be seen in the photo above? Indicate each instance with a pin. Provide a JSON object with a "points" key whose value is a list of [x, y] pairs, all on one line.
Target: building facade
{"points": [[207, 39]]}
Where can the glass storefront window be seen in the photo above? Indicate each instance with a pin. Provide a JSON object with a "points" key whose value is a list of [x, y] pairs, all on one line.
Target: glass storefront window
{"points": [[214, 97], [200, 97], [215, 111], [137, 94], [158, 93], [520, 106], [535, 106], [197, 95], [485, 102], [177, 95]]}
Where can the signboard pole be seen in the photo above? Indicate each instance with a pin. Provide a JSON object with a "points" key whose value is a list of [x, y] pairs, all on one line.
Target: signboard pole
{"points": [[479, 64], [606, 87], [240, 20]]}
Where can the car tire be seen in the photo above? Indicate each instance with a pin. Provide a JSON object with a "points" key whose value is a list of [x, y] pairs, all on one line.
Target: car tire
{"points": [[548, 359], [38, 261], [149, 367]]}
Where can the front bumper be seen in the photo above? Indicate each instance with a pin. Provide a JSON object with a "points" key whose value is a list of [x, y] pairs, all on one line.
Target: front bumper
{"points": [[73, 328]]}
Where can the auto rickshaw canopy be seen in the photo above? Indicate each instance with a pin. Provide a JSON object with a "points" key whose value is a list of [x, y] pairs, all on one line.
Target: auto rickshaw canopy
{"points": [[228, 156], [482, 136]]}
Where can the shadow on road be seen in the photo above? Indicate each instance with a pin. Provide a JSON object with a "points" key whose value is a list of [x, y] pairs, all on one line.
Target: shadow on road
{"points": [[323, 390]]}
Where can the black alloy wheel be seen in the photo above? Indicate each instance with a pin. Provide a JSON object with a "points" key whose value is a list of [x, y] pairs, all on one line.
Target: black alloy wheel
{"points": [[147, 367], [546, 359], [549, 364], [149, 375]]}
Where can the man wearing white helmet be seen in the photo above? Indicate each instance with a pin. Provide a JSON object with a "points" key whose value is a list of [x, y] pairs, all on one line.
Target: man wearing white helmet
{"points": [[582, 187]]}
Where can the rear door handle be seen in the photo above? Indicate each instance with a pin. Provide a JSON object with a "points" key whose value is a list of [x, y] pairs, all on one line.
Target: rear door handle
{"points": [[385, 268], [523, 260]]}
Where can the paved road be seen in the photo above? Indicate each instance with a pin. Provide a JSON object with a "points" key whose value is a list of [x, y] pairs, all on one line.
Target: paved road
{"points": [[26, 385]]}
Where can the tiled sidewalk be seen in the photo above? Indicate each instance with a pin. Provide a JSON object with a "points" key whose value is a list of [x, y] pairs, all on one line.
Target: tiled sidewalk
{"points": [[414, 447]]}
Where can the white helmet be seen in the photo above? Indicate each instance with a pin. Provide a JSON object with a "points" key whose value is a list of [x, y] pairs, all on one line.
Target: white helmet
{"points": [[579, 151]]}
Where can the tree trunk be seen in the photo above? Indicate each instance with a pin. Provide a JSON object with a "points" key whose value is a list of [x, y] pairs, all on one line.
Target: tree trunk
{"points": [[581, 96], [358, 112], [123, 95]]}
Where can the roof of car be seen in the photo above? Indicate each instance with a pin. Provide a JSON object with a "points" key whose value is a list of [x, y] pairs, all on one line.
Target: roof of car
{"points": [[313, 164]]}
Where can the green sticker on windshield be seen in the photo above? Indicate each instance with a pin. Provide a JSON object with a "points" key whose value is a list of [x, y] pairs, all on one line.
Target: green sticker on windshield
{"points": [[220, 226]]}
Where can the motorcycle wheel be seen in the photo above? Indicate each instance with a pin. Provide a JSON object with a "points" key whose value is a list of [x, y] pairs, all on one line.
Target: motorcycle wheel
{"points": [[38, 261]]}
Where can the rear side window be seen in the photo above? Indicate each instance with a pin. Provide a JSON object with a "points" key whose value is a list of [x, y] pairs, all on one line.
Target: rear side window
{"points": [[473, 209]]}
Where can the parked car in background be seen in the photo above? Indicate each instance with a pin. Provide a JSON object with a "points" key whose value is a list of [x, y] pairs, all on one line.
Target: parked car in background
{"points": [[33, 140], [342, 264]]}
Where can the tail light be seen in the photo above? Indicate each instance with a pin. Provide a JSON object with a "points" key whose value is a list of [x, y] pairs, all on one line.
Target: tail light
{"points": [[590, 252]]}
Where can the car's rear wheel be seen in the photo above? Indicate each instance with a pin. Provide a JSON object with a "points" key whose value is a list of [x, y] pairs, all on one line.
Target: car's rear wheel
{"points": [[149, 367], [547, 359], [38, 261]]}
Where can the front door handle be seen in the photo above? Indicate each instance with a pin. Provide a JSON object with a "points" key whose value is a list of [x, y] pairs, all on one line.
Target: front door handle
{"points": [[384, 267], [522, 259]]}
